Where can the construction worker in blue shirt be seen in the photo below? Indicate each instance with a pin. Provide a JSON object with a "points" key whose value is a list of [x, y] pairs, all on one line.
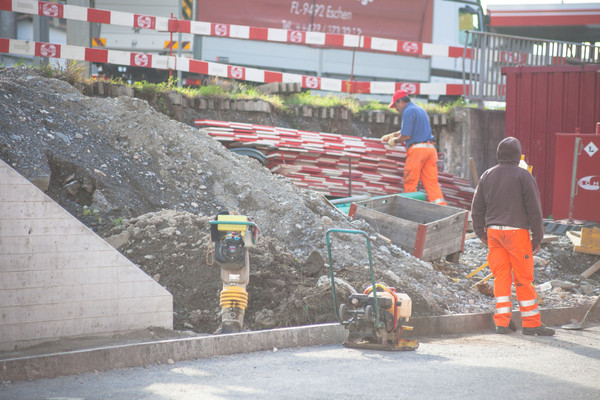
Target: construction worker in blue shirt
{"points": [[421, 154]]}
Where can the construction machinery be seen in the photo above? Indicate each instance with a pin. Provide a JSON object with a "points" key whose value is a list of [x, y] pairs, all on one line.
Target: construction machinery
{"points": [[232, 235], [375, 319]]}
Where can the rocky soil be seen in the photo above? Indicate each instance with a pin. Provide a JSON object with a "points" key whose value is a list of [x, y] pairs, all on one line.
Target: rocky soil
{"points": [[150, 185]]}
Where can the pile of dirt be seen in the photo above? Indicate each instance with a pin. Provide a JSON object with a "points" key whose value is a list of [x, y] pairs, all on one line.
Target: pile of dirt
{"points": [[151, 185]]}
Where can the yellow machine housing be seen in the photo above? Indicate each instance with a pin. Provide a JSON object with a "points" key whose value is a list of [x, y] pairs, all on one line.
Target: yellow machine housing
{"points": [[242, 229]]}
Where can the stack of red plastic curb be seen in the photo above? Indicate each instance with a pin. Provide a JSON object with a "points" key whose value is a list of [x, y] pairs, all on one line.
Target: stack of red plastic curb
{"points": [[332, 164]]}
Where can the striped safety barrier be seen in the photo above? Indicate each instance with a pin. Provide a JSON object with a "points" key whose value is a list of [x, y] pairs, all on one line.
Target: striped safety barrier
{"points": [[133, 59], [174, 25]]}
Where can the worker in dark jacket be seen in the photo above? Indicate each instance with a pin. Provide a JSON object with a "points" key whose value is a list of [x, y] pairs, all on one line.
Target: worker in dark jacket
{"points": [[421, 154], [506, 205]]}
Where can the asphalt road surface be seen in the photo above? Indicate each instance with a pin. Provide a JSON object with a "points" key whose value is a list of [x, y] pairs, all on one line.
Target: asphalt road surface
{"points": [[484, 366]]}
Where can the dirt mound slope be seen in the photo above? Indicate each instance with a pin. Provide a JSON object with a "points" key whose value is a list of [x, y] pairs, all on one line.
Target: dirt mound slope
{"points": [[150, 185]]}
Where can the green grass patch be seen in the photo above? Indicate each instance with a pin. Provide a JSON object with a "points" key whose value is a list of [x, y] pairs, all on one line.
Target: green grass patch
{"points": [[307, 99], [224, 89]]}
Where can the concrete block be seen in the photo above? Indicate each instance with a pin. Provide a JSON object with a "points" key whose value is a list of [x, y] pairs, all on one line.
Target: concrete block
{"points": [[174, 97], [379, 117], [120, 90], [59, 279], [268, 88], [101, 88], [263, 106], [307, 111]]}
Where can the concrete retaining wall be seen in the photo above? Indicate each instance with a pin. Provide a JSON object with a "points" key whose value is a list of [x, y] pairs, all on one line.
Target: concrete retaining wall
{"points": [[474, 133], [58, 279], [460, 134]]}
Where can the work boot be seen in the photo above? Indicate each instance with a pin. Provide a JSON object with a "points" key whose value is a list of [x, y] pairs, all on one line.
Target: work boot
{"points": [[503, 330], [541, 330]]}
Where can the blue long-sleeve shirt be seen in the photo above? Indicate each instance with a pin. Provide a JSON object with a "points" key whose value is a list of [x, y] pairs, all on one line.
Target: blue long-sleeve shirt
{"points": [[415, 123]]}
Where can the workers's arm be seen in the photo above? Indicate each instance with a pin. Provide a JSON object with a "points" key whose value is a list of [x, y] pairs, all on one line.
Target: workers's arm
{"points": [[386, 138], [478, 210], [533, 206], [395, 138]]}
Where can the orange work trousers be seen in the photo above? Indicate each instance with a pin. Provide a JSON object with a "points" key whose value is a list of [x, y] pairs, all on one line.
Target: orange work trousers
{"points": [[511, 259], [421, 164]]}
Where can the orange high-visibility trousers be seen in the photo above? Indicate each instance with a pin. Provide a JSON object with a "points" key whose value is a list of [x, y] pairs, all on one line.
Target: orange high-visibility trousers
{"points": [[511, 259], [421, 164]]}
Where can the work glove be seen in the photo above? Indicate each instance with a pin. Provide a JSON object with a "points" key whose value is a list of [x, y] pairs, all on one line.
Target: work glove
{"points": [[386, 138], [392, 141]]}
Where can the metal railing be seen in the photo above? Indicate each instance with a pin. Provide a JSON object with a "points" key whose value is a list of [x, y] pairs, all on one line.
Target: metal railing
{"points": [[482, 77]]}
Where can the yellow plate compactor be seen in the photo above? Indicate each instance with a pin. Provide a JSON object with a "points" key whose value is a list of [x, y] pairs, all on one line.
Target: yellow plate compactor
{"points": [[375, 318]]}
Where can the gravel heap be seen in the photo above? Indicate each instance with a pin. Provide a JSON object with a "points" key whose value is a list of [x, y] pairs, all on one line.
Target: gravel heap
{"points": [[156, 183]]}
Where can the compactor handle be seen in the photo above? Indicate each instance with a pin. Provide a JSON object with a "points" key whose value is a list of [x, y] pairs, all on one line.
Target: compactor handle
{"points": [[254, 229], [355, 232]]}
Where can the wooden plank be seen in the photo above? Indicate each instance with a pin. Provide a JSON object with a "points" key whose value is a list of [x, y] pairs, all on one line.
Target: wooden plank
{"points": [[444, 237], [385, 239], [420, 211], [441, 250], [474, 172], [471, 235], [447, 228], [591, 270], [587, 241], [382, 204], [400, 232], [420, 241], [590, 239], [574, 237], [549, 238], [410, 209]]}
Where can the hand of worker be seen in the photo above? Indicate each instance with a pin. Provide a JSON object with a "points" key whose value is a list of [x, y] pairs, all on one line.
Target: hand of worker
{"points": [[386, 138], [536, 249], [392, 141]]}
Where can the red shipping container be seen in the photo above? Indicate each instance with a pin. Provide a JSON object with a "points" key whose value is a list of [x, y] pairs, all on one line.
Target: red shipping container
{"points": [[544, 101], [586, 202]]}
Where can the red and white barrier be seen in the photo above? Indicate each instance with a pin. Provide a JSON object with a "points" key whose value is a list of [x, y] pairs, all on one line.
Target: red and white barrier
{"points": [[333, 164], [133, 59], [173, 25]]}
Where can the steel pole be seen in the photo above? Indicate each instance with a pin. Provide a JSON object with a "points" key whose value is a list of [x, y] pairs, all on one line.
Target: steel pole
{"points": [[574, 179]]}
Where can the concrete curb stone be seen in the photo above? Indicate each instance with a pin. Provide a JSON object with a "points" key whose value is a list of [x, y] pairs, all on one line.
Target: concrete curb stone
{"points": [[111, 357]]}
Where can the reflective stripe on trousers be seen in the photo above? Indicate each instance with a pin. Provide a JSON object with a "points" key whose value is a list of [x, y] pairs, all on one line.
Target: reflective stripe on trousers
{"points": [[503, 308], [511, 259], [421, 164]]}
